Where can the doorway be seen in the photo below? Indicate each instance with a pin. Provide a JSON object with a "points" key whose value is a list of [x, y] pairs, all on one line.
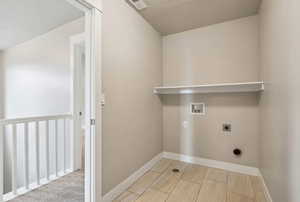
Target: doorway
{"points": [[44, 165], [78, 63], [88, 45]]}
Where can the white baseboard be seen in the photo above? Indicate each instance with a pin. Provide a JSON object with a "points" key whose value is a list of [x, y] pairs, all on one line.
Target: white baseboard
{"points": [[119, 189], [267, 192], [213, 163], [222, 165]]}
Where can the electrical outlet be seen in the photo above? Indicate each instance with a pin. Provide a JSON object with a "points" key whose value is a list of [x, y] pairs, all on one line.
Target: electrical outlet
{"points": [[227, 128], [185, 124]]}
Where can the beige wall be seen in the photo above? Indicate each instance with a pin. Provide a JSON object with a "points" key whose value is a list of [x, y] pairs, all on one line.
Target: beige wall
{"points": [[132, 118], [226, 52], [280, 117]]}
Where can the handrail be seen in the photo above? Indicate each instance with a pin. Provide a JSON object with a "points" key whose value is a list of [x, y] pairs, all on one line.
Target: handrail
{"points": [[34, 119], [61, 123]]}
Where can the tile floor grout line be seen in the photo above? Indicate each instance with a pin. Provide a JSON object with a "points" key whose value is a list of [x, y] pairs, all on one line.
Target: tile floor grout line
{"points": [[227, 185], [150, 186], [199, 191], [254, 190], [201, 187], [180, 179], [169, 194], [206, 174], [205, 178]]}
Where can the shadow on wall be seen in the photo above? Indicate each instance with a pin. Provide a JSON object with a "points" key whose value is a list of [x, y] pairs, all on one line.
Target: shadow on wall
{"points": [[201, 135]]}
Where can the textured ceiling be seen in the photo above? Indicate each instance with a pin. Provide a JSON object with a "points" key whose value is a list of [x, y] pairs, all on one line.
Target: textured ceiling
{"points": [[22, 20], [173, 16]]}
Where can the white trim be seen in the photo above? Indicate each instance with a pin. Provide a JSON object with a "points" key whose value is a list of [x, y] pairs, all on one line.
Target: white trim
{"points": [[267, 192], [34, 119], [96, 114], [123, 186], [93, 162], [82, 5], [1, 162], [213, 163], [77, 39], [93, 46], [77, 48], [88, 156], [85, 5], [110, 196]]}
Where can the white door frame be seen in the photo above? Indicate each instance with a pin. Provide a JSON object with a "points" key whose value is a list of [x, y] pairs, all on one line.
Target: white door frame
{"points": [[93, 93], [76, 42]]}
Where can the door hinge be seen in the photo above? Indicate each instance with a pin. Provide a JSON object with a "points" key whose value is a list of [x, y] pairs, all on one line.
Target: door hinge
{"points": [[93, 122]]}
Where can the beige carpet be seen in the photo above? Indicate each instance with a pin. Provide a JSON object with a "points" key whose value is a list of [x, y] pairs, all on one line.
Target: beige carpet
{"points": [[69, 188]]}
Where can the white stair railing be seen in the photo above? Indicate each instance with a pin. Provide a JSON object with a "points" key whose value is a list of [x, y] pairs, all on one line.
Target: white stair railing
{"points": [[13, 125]]}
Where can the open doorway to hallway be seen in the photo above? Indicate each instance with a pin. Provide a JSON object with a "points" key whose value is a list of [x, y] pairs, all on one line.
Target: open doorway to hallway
{"points": [[43, 101]]}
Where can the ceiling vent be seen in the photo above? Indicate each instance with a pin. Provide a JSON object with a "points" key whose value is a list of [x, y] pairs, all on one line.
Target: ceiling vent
{"points": [[138, 4]]}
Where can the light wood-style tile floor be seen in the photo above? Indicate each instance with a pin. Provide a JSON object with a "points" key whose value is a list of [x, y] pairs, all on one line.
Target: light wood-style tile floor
{"points": [[193, 183]]}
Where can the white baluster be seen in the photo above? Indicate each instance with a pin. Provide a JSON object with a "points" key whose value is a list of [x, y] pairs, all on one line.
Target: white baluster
{"points": [[47, 151], [12, 125], [56, 148], [14, 160], [65, 138], [37, 151], [26, 156]]}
